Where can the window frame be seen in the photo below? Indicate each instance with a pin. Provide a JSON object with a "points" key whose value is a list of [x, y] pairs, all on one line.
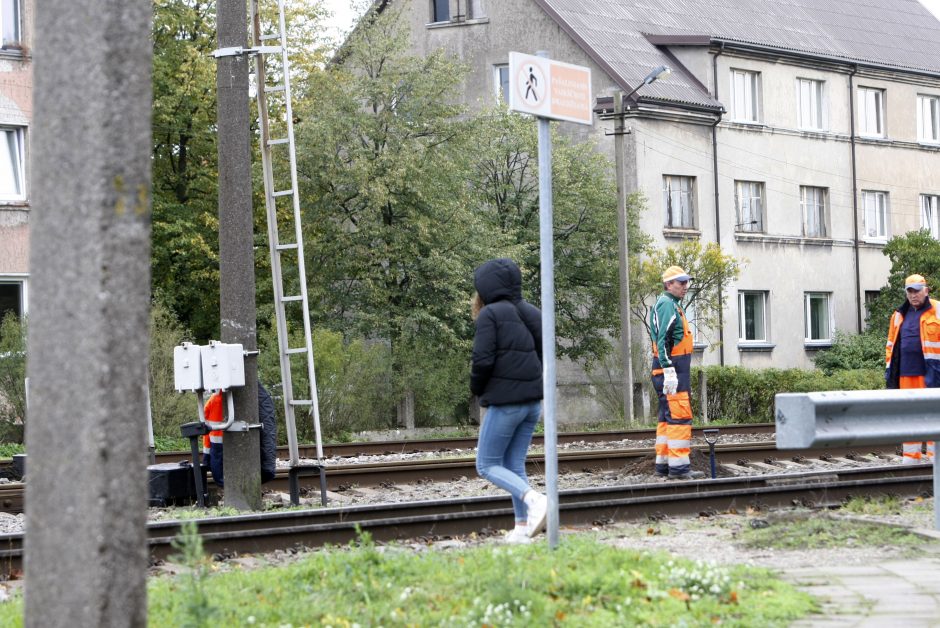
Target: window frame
{"points": [[746, 103], [17, 10], [23, 281], [862, 106], [436, 5], [808, 298], [19, 167], [928, 103], [820, 110], [823, 218], [668, 201], [739, 226], [881, 201], [764, 297], [498, 82], [691, 314], [930, 214]]}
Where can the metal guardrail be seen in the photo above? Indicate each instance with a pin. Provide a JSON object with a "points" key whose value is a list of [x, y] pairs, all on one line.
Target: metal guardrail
{"points": [[859, 417]]}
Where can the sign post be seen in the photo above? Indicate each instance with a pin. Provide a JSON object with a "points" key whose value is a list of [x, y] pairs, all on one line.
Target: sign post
{"points": [[550, 90]]}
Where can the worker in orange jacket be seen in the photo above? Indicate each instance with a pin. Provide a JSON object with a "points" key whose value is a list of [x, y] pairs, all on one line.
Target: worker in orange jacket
{"points": [[212, 442], [672, 378], [912, 353]]}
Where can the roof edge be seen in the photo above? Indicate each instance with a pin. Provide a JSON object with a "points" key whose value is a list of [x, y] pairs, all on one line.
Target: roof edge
{"points": [[583, 45]]}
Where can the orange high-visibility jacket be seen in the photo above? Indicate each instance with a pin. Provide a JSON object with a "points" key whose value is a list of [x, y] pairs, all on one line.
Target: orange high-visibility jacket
{"points": [[215, 413], [929, 342]]}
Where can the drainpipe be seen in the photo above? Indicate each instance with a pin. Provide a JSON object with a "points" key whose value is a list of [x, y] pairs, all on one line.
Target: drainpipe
{"points": [[858, 272], [721, 323]]}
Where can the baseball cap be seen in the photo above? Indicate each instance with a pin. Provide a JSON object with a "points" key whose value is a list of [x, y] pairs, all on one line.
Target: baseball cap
{"points": [[915, 282], [674, 273]]}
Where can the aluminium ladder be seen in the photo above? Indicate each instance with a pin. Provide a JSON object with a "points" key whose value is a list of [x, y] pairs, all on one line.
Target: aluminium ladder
{"points": [[284, 252]]}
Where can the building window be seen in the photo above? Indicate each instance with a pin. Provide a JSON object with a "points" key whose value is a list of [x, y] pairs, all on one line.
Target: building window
{"points": [[475, 9], [752, 315], [12, 297], [749, 202], [818, 328], [813, 206], [745, 96], [928, 118], [501, 81], [929, 205], [10, 22], [440, 10], [691, 314], [11, 165], [875, 205], [679, 199], [871, 112], [810, 94]]}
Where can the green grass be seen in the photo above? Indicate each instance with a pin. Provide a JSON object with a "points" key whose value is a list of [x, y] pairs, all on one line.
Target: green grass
{"points": [[822, 532], [581, 583], [882, 506]]}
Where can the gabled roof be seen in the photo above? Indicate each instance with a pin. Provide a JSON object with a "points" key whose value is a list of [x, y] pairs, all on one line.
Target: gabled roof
{"points": [[619, 34]]}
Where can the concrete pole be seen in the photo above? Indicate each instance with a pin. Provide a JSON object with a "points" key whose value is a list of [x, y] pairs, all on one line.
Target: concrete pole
{"points": [[86, 497], [241, 459], [623, 245]]}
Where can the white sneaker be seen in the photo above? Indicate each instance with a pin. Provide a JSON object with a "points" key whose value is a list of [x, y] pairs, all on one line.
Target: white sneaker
{"points": [[537, 507], [517, 536]]}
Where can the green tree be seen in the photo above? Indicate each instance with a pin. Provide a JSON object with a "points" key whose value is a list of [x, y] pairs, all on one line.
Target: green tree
{"points": [[390, 237], [185, 165], [711, 268], [914, 252], [584, 196]]}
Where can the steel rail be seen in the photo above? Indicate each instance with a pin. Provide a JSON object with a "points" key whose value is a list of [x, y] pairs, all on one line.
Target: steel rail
{"points": [[379, 474], [450, 517], [347, 450]]}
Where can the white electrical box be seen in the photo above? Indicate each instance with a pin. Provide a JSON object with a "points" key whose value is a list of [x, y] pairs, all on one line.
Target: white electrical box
{"points": [[187, 367], [223, 366]]}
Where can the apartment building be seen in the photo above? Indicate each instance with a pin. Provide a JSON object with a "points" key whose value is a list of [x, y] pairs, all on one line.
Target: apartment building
{"points": [[15, 113], [799, 135]]}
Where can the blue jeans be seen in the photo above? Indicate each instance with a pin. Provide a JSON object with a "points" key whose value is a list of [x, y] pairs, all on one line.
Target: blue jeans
{"points": [[504, 442]]}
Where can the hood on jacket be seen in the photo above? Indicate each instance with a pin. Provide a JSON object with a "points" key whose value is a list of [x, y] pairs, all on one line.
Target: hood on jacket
{"points": [[498, 279]]}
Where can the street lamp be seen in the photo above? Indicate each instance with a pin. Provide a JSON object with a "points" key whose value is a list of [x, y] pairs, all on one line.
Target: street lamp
{"points": [[624, 241]]}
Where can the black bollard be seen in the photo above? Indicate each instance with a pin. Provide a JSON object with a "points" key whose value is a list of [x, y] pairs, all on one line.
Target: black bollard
{"points": [[711, 437], [194, 431]]}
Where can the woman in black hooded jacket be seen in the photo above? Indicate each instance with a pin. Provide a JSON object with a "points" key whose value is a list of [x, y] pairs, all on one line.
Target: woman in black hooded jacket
{"points": [[506, 375]]}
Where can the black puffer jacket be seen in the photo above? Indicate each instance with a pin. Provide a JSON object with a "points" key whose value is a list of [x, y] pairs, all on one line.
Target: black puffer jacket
{"points": [[507, 346]]}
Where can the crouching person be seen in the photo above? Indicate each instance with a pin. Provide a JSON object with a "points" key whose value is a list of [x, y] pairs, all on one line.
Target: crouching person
{"points": [[212, 442]]}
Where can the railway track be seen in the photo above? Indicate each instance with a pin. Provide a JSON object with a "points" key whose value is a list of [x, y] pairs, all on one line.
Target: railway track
{"points": [[738, 459], [445, 518], [348, 450]]}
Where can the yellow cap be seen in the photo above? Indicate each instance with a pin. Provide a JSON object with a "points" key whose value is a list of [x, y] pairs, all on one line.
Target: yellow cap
{"points": [[674, 273], [915, 282]]}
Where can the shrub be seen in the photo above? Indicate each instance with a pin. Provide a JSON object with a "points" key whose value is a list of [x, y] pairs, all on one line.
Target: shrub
{"points": [[853, 351], [12, 379], [353, 384], [168, 408], [740, 395]]}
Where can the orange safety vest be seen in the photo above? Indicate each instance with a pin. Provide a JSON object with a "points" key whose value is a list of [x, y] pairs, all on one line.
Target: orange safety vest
{"points": [[929, 341], [687, 345], [215, 413]]}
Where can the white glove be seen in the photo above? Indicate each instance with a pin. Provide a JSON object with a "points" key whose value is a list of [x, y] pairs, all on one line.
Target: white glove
{"points": [[670, 381]]}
